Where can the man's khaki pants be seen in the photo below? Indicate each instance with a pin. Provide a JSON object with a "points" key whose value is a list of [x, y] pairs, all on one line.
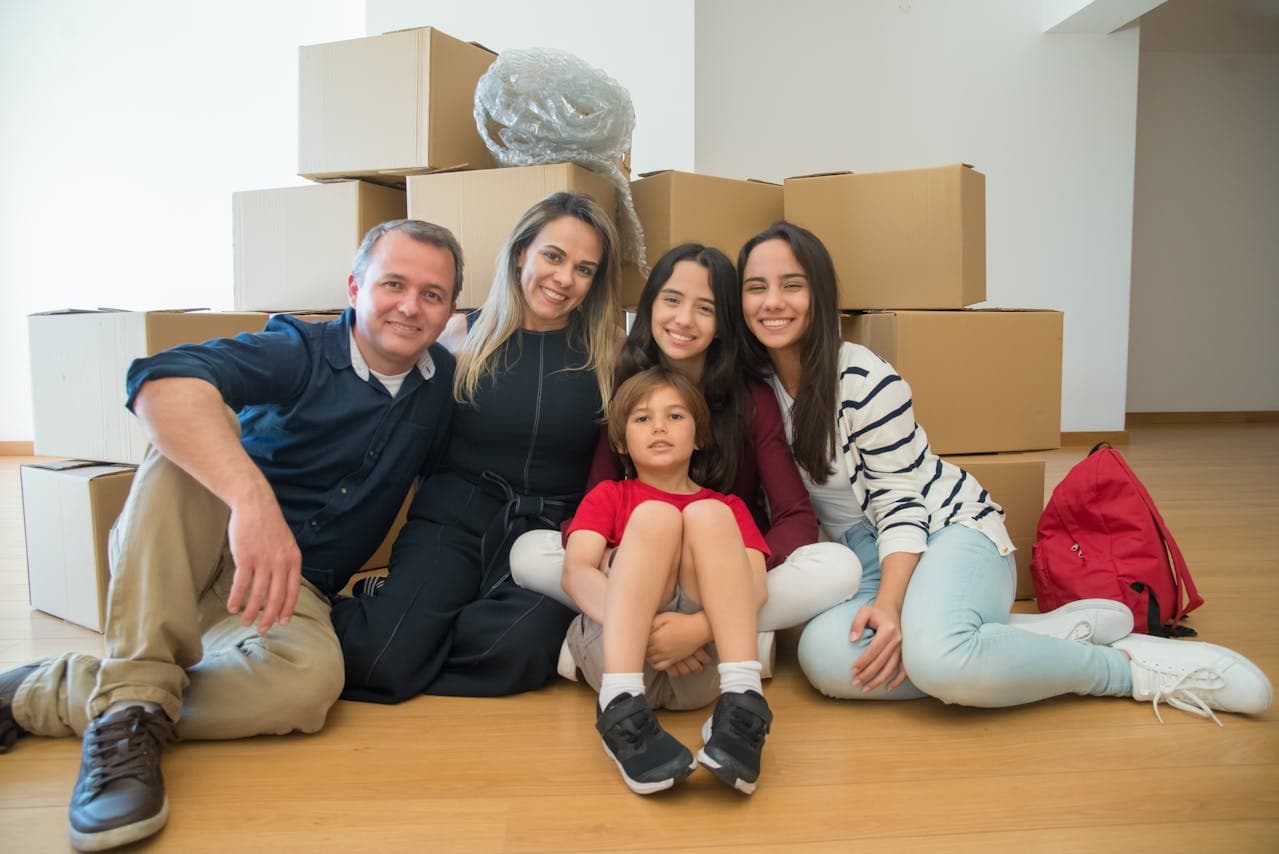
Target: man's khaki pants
{"points": [[170, 640]]}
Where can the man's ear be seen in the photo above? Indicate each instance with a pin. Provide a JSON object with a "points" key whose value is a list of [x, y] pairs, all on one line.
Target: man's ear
{"points": [[352, 288]]}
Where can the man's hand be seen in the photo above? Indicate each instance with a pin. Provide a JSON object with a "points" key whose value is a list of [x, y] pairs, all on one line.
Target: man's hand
{"points": [[677, 643], [268, 565], [882, 661]]}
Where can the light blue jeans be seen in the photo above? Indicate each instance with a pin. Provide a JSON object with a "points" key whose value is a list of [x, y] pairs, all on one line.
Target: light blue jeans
{"points": [[956, 644]]}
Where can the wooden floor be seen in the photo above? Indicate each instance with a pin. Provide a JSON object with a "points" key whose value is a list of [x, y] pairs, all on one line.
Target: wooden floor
{"points": [[528, 773]]}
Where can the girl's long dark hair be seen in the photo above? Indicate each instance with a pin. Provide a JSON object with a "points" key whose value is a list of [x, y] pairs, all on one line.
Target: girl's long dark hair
{"points": [[723, 381], [813, 415]]}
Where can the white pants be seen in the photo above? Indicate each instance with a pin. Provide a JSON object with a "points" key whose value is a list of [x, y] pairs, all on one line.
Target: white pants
{"points": [[813, 579]]}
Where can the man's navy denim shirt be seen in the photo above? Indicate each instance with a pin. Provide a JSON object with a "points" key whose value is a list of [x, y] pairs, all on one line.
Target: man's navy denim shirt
{"points": [[339, 452]]}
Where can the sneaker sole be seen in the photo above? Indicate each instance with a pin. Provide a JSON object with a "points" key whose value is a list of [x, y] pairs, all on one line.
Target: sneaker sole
{"points": [[1240, 661], [116, 836], [648, 788], [725, 774]]}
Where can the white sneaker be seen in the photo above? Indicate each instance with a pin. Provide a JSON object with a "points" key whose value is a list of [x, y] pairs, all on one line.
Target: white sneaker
{"points": [[1099, 621], [1195, 677], [567, 665], [767, 654]]}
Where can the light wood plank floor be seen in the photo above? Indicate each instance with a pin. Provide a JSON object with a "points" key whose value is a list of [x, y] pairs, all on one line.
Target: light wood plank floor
{"points": [[527, 773]]}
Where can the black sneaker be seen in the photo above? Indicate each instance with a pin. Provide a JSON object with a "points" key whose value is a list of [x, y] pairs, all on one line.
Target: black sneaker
{"points": [[369, 585], [10, 681], [649, 757], [734, 738], [119, 796]]}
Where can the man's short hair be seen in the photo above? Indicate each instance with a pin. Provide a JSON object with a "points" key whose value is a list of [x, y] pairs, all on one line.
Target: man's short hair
{"points": [[421, 231]]}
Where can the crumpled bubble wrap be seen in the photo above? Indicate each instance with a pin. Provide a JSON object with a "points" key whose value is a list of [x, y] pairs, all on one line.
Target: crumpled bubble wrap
{"points": [[543, 105]]}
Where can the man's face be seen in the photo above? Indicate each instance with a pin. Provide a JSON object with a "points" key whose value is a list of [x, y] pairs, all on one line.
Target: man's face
{"points": [[403, 302]]}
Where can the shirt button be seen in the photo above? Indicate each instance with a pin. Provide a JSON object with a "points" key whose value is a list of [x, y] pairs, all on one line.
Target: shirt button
{"points": [[314, 523], [344, 490]]}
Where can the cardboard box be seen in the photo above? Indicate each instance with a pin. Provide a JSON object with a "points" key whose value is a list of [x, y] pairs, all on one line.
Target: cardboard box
{"points": [[909, 239], [1016, 483], [482, 207], [680, 207], [79, 360], [68, 508], [389, 105], [983, 380], [294, 245]]}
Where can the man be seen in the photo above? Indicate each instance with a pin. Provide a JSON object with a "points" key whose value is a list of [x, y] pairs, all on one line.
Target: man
{"points": [[236, 534]]}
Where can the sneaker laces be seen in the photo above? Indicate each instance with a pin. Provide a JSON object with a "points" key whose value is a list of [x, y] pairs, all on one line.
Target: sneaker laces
{"points": [[747, 725], [127, 745], [634, 732], [1184, 692]]}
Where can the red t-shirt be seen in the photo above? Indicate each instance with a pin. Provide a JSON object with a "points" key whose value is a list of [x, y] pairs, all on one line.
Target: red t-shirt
{"points": [[607, 508]]}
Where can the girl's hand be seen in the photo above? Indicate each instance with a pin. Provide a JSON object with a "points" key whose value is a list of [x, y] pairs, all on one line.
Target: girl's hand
{"points": [[881, 663], [676, 643]]}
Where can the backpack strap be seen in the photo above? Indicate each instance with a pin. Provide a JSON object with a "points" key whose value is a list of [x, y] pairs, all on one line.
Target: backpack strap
{"points": [[1184, 584]]}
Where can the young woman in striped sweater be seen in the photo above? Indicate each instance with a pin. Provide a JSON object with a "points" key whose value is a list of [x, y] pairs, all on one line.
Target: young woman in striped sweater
{"points": [[931, 617]]}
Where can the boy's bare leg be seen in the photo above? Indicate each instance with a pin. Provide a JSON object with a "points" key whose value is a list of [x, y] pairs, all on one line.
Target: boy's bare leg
{"points": [[641, 578], [716, 573]]}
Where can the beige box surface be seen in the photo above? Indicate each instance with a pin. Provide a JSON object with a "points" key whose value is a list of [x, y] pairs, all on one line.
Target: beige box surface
{"points": [[79, 360], [68, 508], [983, 380], [1016, 483], [680, 207], [294, 245], [914, 238], [389, 105], [482, 207]]}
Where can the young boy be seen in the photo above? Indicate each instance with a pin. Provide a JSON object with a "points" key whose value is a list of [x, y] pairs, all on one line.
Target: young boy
{"points": [[647, 559]]}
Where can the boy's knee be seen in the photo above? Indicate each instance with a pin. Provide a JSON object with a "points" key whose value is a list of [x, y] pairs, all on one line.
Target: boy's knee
{"points": [[708, 511], [655, 516]]}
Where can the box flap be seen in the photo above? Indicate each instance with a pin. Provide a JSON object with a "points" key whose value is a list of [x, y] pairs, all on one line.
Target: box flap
{"points": [[484, 47], [820, 175], [762, 181], [60, 465]]}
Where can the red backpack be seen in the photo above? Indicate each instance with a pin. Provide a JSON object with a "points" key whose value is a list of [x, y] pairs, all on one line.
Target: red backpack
{"points": [[1101, 536]]}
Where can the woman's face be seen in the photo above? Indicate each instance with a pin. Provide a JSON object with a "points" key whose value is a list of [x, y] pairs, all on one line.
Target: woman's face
{"points": [[683, 318], [776, 297], [556, 271]]}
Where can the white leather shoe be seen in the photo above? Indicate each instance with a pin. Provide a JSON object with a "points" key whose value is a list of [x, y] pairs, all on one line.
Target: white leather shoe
{"points": [[566, 666], [1099, 621], [1195, 677], [767, 654]]}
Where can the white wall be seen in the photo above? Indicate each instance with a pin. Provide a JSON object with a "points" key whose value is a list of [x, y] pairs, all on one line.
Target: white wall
{"points": [[1205, 271], [124, 129], [808, 86], [645, 46]]}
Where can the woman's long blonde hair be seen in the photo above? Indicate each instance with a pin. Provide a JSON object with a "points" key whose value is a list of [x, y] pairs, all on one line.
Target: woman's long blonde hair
{"points": [[595, 324]]}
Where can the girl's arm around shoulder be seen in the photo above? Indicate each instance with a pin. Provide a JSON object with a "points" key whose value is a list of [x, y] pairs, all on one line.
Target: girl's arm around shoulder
{"points": [[792, 522]]}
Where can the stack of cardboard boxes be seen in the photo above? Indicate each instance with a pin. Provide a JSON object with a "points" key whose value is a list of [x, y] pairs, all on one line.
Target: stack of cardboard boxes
{"points": [[386, 130], [909, 249]]}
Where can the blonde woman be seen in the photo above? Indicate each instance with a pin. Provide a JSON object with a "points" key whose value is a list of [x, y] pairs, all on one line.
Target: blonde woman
{"points": [[532, 381]]}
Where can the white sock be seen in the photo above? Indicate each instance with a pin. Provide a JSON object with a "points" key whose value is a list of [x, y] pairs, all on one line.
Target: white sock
{"points": [[740, 676], [124, 704], [613, 685]]}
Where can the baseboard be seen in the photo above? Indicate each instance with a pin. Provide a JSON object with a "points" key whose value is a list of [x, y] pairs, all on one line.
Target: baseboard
{"points": [[1088, 438], [17, 449], [1258, 416]]}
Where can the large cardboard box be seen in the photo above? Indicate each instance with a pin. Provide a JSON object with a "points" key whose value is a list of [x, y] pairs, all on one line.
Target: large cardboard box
{"points": [[680, 207], [68, 508], [909, 239], [1016, 483], [389, 105], [78, 364], [294, 245], [482, 207], [983, 380]]}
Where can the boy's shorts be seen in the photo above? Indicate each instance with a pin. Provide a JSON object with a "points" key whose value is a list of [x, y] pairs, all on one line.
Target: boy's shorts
{"points": [[586, 642]]}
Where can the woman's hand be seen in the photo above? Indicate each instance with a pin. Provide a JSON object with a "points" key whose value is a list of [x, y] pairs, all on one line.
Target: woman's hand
{"points": [[881, 663], [677, 643]]}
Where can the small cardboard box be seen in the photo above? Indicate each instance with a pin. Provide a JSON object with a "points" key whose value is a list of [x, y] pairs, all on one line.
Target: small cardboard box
{"points": [[294, 245], [680, 207], [68, 508], [482, 207], [983, 380], [909, 239], [1016, 483], [79, 360], [390, 105]]}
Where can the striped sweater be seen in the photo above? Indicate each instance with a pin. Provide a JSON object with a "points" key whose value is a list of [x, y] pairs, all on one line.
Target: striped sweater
{"points": [[906, 491]]}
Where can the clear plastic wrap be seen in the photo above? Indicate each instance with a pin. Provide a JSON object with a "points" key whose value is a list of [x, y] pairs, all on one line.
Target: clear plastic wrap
{"points": [[543, 105]]}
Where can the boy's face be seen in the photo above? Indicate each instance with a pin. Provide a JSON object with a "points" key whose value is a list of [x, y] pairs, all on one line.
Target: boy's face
{"points": [[660, 432]]}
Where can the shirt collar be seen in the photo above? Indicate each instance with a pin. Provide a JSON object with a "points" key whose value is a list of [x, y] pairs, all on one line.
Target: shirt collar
{"points": [[425, 364]]}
